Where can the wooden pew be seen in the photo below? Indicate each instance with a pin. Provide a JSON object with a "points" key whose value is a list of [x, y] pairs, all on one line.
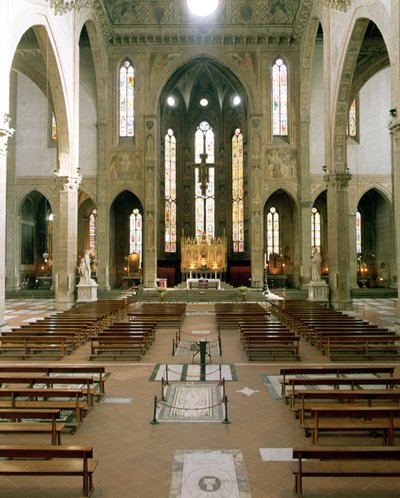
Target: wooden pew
{"points": [[332, 370], [363, 347], [86, 383], [272, 346], [74, 403], [117, 346], [27, 460], [355, 418], [310, 400], [98, 372], [296, 383], [20, 423], [54, 346], [350, 461]]}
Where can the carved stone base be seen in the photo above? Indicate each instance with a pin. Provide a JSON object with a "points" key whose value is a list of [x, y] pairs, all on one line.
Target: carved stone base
{"points": [[87, 292], [318, 291]]}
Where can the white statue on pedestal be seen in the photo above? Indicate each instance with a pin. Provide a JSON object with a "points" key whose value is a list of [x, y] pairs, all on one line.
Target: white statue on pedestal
{"points": [[87, 287], [317, 288], [84, 269], [315, 265]]}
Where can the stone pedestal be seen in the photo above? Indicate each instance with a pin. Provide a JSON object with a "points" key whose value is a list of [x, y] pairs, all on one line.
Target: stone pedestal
{"points": [[87, 291], [318, 291]]}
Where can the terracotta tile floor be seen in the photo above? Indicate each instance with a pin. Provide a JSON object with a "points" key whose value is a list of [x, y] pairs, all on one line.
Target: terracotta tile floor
{"points": [[136, 457]]}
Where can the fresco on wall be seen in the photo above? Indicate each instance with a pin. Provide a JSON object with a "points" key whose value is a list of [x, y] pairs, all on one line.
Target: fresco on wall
{"points": [[125, 166], [280, 163]]}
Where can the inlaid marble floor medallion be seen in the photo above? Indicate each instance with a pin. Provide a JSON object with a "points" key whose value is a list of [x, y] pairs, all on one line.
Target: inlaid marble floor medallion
{"points": [[209, 473], [191, 403]]}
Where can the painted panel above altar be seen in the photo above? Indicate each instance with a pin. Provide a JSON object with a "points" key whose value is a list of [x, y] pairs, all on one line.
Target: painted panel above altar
{"points": [[203, 255]]}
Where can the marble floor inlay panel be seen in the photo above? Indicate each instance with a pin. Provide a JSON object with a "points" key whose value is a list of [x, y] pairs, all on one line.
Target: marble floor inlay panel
{"points": [[205, 473], [191, 403]]}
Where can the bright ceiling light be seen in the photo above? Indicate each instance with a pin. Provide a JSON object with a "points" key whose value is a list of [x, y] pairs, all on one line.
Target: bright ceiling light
{"points": [[203, 102], [202, 8], [171, 101], [236, 100]]}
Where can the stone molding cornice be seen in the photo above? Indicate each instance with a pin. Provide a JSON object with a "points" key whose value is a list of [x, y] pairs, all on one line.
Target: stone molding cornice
{"points": [[236, 39], [68, 183], [338, 180], [335, 4], [65, 6]]}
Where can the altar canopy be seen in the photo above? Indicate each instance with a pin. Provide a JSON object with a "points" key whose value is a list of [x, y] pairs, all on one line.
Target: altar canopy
{"points": [[203, 255]]}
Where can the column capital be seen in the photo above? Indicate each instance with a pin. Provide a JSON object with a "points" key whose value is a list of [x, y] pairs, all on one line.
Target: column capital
{"points": [[5, 133], [338, 180], [68, 183]]}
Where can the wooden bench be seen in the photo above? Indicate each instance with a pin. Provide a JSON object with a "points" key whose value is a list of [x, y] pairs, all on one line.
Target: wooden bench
{"points": [[355, 418], [26, 460], [331, 370], [369, 461], [297, 383], [272, 346], [20, 423], [63, 399], [86, 383], [309, 400], [115, 346], [98, 372], [363, 347], [55, 346]]}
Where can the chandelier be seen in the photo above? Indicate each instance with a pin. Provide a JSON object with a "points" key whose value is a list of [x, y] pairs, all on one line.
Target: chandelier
{"points": [[64, 6]]}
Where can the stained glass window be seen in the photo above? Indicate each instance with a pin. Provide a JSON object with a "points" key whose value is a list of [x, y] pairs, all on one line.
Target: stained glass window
{"points": [[279, 99], [53, 127], [204, 200], [351, 129], [237, 192], [135, 233], [126, 100], [92, 233], [316, 228], [273, 231], [170, 192], [358, 233]]}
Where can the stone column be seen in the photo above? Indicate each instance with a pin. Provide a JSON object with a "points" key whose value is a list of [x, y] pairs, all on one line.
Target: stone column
{"points": [[395, 132], [13, 230], [394, 127], [66, 237], [5, 133], [353, 251], [305, 243], [338, 238]]}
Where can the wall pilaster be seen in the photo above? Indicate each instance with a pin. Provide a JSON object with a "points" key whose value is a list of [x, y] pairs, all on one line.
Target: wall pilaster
{"points": [[150, 207], [256, 208]]}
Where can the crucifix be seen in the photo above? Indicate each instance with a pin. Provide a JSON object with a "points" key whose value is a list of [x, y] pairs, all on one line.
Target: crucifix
{"points": [[204, 167]]}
